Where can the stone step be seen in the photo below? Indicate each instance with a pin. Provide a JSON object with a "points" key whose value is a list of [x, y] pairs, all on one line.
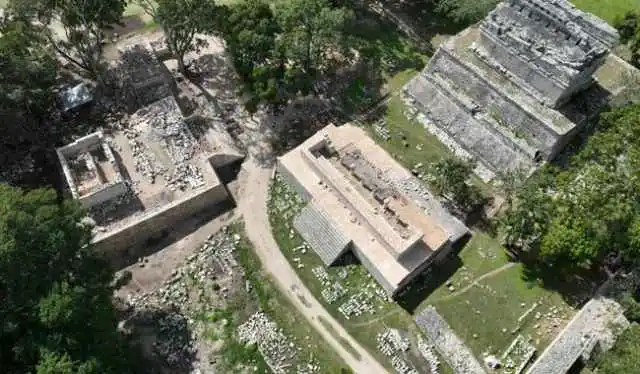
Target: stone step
{"points": [[507, 134], [317, 229], [497, 97], [484, 145]]}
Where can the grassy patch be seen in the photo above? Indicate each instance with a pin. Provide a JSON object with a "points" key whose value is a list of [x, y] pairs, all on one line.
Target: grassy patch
{"points": [[409, 143], [490, 303], [607, 9]]}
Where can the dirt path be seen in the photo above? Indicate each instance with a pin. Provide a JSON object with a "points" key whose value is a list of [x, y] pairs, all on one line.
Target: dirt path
{"points": [[252, 205], [476, 281]]}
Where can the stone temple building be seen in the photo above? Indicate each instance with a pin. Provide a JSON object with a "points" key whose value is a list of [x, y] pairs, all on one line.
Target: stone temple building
{"points": [[362, 200], [513, 90]]}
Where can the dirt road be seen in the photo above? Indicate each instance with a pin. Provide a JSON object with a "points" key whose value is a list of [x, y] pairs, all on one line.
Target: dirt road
{"points": [[252, 205]]}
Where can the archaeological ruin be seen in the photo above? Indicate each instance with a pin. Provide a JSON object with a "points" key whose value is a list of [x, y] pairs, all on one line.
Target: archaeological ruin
{"points": [[362, 200], [511, 92], [141, 176]]}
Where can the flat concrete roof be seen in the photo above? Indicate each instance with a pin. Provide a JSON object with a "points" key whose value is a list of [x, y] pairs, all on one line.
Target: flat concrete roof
{"points": [[350, 178]]}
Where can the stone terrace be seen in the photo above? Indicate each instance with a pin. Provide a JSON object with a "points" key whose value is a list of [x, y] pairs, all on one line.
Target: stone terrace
{"points": [[487, 102]]}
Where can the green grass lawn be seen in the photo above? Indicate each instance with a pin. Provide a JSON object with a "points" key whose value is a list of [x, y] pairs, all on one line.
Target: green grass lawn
{"points": [[608, 9], [489, 313]]}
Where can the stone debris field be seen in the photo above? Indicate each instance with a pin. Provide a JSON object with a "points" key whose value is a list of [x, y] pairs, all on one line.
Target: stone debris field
{"points": [[179, 317]]}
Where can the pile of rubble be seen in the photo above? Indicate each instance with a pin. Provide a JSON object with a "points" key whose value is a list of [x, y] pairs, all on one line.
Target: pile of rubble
{"points": [[172, 309], [518, 355], [447, 342], [380, 128], [429, 355], [392, 343], [277, 349], [358, 304]]}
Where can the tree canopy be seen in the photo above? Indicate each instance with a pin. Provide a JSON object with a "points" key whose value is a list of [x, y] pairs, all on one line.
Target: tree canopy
{"points": [[575, 217], [466, 11], [450, 178], [181, 20], [27, 79], [629, 28], [282, 51], [82, 25], [56, 313]]}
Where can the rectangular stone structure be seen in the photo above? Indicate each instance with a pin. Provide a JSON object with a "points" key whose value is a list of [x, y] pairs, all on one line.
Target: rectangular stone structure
{"points": [[549, 46], [356, 204]]}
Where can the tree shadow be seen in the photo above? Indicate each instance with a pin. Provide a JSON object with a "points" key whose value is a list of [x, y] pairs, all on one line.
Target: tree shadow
{"points": [[575, 287], [424, 284], [164, 338], [424, 18]]}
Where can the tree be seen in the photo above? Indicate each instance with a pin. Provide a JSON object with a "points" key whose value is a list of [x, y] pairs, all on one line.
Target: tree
{"points": [[313, 40], [56, 312], [27, 79], [181, 20], [450, 178], [250, 31], [625, 354], [466, 11], [526, 220], [629, 28], [82, 22]]}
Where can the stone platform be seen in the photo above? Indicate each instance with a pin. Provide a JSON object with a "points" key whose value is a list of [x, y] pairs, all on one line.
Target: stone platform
{"points": [[508, 110]]}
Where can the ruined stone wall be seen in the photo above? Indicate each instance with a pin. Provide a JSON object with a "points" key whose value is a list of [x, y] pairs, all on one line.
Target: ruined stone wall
{"points": [[104, 194], [123, 242]]}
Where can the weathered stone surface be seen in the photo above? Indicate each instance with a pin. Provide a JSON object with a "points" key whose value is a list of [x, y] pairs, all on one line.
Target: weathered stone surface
{"points": [[511, 92]]}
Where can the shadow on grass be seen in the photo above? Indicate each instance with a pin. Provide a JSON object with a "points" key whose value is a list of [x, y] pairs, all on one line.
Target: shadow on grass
{"points": [[576, 288], [424, 284]]}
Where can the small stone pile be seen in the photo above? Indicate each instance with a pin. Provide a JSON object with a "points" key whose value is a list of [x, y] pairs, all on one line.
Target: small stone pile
{"points": [[380, 129], [429, 355], [358, 304], [392, 344], [276, 348]]}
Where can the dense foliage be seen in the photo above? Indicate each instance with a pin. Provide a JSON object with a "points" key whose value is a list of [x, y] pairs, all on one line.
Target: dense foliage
{"points": [[629, 28], [625, 354], [451, 178], [578, 216], [282, 51], [27, 79], [465, 11], [56, 313]]}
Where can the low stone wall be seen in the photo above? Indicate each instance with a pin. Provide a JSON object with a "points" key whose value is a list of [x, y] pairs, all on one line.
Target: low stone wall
{"points": [[121, 243]]}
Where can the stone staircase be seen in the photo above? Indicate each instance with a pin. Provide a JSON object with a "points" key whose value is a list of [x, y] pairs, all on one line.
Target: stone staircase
{"points": [[317, 229], [486, 145]]}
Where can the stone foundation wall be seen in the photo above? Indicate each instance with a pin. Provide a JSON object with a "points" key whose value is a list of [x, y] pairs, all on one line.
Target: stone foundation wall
{"points": [[121, 243], [105, 193]]}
